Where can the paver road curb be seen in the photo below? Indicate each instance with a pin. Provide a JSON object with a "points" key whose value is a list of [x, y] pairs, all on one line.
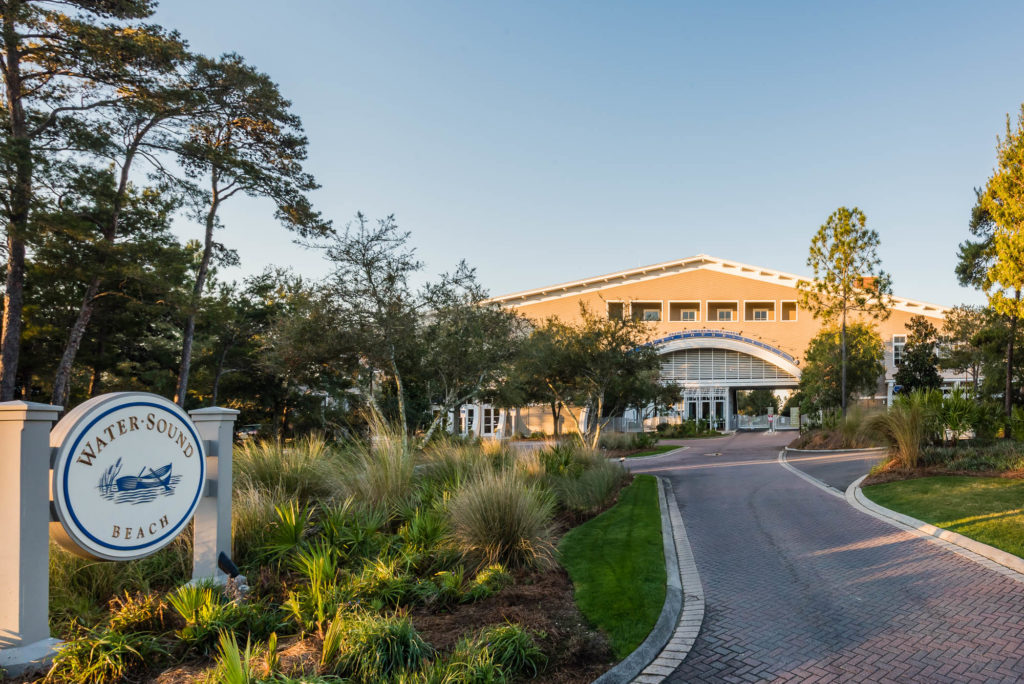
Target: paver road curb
{"points": [[836, 451], [995, 559], [801, 474], [676, 630]]}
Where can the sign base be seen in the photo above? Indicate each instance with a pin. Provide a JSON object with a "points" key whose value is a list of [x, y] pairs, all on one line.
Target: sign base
{"points": [[30, 659]]}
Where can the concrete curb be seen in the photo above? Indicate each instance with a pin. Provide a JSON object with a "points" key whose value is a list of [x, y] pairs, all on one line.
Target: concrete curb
{"points": [[676, 629], [988, 556], [647, 651], [813, 480], [637, 459], [688, 627], [837, 451]]}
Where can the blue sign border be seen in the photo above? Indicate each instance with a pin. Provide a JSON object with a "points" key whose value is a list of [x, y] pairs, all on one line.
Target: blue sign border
{"points": [[181, 523]]}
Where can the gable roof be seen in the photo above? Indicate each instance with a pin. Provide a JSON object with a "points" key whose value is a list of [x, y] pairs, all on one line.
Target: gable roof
{"points": [[668, 268]]}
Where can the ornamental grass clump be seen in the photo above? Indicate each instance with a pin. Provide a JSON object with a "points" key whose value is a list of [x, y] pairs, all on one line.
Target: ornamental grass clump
{"points": [[380, 473], [304, 471], [590, 491], [498, 518], [904, 427]]}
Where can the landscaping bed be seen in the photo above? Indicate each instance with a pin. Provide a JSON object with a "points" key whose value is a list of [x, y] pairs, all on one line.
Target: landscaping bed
{"points": [[362, 568]]}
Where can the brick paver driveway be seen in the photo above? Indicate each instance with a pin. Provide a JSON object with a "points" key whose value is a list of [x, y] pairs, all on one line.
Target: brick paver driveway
{"points": [[802, 587]]}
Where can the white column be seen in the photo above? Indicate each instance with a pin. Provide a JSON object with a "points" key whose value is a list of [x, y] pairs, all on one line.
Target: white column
{"points": [[25, 643], [212, 533]]}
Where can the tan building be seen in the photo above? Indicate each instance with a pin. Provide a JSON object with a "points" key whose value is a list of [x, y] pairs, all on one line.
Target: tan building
{"points": [[721, 326]]}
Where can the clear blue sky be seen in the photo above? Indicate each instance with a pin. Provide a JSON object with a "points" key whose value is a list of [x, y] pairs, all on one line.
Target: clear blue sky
{"points": [[545, 142]]}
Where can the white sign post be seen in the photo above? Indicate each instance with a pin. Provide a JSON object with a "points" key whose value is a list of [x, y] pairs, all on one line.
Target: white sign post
{"points": [[25, 642], [212, 534], [126, 472]]}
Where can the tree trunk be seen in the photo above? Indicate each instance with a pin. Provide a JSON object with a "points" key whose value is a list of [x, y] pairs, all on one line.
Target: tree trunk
{"points": [[197, 292], [1008, 391], [62, 381], [217, 373], [556, 410], [97, 370], [20, 202], [284, 422], [400, 390], [842, 384], [597, 422]]}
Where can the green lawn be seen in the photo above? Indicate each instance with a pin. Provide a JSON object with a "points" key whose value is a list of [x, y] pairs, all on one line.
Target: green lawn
{"points": [[987, 509], [654, 451], [617, 565]]}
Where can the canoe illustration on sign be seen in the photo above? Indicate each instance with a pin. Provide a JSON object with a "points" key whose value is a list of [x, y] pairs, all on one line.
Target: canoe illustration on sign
{"points": [[135, 489]]}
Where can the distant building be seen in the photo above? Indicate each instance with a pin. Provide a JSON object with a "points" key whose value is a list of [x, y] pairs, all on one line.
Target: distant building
{"points": [[720, 326]]}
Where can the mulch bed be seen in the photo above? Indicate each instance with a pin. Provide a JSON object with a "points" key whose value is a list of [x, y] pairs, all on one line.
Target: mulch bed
{"points": [[539, 601]]}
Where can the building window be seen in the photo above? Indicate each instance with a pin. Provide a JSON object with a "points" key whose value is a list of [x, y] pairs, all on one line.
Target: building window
{"points": [[724, 315], [652, 315], [615, 310], [490, 420], [760, 314], [688, 315], [898, 342]]}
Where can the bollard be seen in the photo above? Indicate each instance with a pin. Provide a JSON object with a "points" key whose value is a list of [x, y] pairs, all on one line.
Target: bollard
{"points": [[25, 643], [212, 532]]}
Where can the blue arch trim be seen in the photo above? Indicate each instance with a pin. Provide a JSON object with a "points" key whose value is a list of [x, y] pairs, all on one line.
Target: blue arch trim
{"points": [[722, 335]]}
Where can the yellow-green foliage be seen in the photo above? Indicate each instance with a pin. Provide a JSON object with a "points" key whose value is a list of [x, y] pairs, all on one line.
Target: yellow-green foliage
{"points": [[498, 518]]}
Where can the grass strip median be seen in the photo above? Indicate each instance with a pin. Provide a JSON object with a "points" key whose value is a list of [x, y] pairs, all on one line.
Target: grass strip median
{"points": [[617, 565], [654, 451], [987, 509]]}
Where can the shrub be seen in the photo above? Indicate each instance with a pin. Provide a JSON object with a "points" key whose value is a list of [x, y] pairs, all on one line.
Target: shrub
{"points": [[235, 666], [80, 589], [373, 648], [104, 656], [514, 650], [903, 427], [591, 491], [385, 580], [562, 459], [380, 474], [137, 613], [354, 530], [287, 534], [489, 581], [207, 613], [957, 413], [498, 518], [304, 471]]}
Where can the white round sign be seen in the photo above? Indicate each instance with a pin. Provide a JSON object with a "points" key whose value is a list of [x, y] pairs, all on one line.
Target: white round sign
{"points": [[127, 476]]}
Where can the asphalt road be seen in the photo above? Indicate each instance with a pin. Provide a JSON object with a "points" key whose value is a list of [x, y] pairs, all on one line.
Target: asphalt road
{"points": [[801, 587]]}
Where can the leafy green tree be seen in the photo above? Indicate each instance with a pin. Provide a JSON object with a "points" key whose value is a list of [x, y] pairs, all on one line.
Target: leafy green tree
{"points": [[821, 386], [245, 140], [961, 352], [469, 348], [602, 353], [757, 402], [61, 62], [542, 371], [137, 128], [847, 278], [385, 315], [1003, 202], [919, 366]]}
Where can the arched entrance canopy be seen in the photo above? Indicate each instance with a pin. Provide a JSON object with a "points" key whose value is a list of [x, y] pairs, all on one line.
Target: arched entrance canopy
{"points": [[735, 361]]}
